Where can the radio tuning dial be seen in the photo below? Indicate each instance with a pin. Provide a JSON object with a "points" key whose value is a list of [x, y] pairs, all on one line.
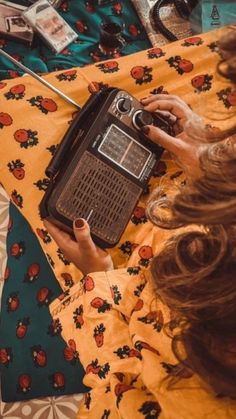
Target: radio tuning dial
{"points": [[142, 118], [123, 105]]}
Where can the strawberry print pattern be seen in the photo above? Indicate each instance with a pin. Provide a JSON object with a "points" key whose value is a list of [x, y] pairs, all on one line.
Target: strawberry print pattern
{"points": [[31, 345]]}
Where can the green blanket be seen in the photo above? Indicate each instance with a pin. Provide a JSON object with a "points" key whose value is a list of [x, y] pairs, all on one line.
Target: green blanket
{"points": [[34, 359]]}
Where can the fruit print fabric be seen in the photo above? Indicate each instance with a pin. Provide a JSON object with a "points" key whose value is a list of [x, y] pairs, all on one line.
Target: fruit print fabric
{"points": [[34, 359]]}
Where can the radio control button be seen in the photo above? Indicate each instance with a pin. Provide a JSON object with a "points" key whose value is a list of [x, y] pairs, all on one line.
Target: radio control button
{"points": [[124, 105], [141, 118]]}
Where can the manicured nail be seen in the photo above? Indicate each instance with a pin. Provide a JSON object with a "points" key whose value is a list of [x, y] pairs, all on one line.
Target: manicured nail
{"points": [[146, 98], [79, 223], [145, 129]]}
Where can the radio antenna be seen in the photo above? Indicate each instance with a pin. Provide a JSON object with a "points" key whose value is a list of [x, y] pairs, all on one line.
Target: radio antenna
{"points": [[40, 79]]}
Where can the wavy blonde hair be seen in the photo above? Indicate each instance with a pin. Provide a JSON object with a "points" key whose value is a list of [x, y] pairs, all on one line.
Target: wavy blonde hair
{"points": [[195, 275]]}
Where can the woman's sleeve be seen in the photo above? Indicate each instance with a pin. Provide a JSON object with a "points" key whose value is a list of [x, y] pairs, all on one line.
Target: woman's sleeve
{"points": [[94, 318], [95, 314]]}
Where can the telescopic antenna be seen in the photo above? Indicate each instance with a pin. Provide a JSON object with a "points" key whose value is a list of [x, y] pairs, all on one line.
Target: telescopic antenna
{"points": [[40, 79]]}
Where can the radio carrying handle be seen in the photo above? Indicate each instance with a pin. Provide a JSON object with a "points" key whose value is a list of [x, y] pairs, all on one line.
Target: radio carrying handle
{"points": [[73, 132]]}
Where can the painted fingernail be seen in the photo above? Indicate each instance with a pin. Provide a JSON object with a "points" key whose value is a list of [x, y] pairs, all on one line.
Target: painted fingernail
{"points": [[145, 129], [79, 223]]}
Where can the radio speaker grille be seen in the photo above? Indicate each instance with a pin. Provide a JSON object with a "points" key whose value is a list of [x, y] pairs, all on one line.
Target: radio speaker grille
{"points": [[96, 190]]}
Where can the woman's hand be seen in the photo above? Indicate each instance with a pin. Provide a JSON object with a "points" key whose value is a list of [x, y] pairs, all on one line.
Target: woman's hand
{"points": [[82, 252], [184, 148], [171, 107]]}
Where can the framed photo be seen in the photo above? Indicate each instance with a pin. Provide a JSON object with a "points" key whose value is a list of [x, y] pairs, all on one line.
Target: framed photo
{"points": [[12, 23], [15, 24], [52, 28]]}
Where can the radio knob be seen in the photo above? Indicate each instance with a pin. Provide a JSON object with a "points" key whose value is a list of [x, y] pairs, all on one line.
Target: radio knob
{"points": [[142, 118], [124, 105]]}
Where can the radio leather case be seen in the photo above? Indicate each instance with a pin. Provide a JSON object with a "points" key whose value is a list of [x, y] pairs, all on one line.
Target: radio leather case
{"points": [[102, 166]]}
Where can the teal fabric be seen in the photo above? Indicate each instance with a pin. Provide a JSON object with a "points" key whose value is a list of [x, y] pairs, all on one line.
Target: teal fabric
{"points": [[34, 359], [84, 17]]}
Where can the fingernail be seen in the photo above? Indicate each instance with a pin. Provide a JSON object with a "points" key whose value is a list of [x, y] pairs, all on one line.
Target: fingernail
{"points": [[79, 223], [146, 98], [145, 129]]}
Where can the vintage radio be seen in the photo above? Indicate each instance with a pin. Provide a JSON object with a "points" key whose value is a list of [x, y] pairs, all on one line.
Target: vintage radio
{"points": [[102, 166]]}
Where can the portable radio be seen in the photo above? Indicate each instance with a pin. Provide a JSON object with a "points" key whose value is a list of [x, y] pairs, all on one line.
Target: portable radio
{"points": [[102, 166]]}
